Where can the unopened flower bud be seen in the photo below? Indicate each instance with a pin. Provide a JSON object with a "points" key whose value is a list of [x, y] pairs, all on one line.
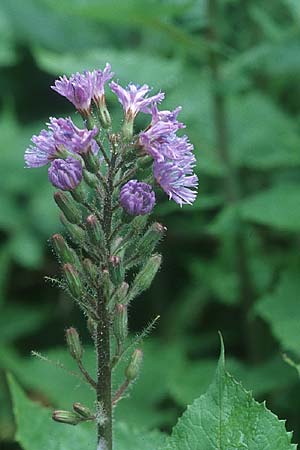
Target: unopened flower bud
{"points": [[74, 344], [90, 179], [116, 269], [134, 366], [83, 411], [106, 283], [103, 113], [67, 205], [79, 194], [145, 277], [91, 325], [76, 233], [90, 270], [148, 242], [92, 162], [94, 230], [127, 129], [119, 295], [68, 417], [73, 279], [63, 251], [121, 322]]}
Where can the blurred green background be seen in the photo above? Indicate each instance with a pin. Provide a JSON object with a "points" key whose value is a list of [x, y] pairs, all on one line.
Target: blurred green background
{"points": [[231, 262]]}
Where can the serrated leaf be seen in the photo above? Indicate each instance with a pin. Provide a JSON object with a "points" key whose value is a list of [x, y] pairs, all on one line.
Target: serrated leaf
{"points": [[37, 431], [228, 418]]}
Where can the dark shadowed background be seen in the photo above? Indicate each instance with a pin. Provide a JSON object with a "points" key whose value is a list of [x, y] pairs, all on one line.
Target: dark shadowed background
{"points": [[231, 262]]}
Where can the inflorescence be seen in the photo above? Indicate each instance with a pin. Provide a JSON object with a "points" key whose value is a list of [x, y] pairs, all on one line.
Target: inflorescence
{"points": [[69, 149]]}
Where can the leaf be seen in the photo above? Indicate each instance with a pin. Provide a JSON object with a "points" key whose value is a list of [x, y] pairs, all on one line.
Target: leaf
{"points": [[277, 207], [37, 431], [263, 144], [281, 309], [17, 320], [228, 418]]}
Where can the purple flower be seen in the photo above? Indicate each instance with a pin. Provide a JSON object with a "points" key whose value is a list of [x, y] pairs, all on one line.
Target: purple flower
{"points": [[177, 179], [43, 150], [166, 116], [100, 77], [133, 99], [78, 89], [71, 137], [61, 138], [65, 174], [137, 198]]}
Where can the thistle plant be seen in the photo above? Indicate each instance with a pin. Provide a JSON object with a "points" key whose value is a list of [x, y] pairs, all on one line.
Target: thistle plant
{"points": [[106, 179]]}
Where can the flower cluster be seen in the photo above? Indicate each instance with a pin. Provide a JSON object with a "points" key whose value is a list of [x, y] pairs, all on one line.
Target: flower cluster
{"points": [[67, 147], [173, 156]]}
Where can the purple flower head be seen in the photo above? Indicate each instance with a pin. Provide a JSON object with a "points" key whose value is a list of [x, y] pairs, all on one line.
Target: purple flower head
{"points": [[166, 116], [100, 77], [43, 150], [71, 137], [137, 198], [177, 179], [133, 98], [78, 89], [65, 174]]}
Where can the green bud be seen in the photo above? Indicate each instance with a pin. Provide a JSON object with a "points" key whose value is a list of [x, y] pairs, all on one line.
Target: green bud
{"points": [[74, 344], [116, 270], [134, 366], [82, 411], [76, 233], [106, 283], [148, 242], [145, 277], [92, 162], [63, 251], [90, 179], [79, 194], [121, 322], [119, 295], [127, 129], [90, 270], [91, 324], [73, 280], [94, 230], [68, 417], [67, 205], [103, 114]]}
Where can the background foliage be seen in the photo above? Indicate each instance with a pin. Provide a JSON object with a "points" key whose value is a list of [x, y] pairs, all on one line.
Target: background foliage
{"points": [[231, 262]]}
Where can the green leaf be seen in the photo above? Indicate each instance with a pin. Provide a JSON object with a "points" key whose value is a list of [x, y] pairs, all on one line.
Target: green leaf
{"points": [[277, 207], [281, 309], [228, 418], [37, 431], [263, 144], [17, 320]]}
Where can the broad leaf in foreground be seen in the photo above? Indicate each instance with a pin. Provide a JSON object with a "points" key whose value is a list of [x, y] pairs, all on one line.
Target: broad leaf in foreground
{"points": [[228, 418], [37, 431]]}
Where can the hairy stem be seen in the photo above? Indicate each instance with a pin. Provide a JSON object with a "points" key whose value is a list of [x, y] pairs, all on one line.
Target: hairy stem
{"points": [[103, 376], [104, 397]]}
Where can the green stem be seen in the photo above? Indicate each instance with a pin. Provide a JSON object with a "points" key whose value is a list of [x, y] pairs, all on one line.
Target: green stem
{"points": [[103, 388], [104, 397]]}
